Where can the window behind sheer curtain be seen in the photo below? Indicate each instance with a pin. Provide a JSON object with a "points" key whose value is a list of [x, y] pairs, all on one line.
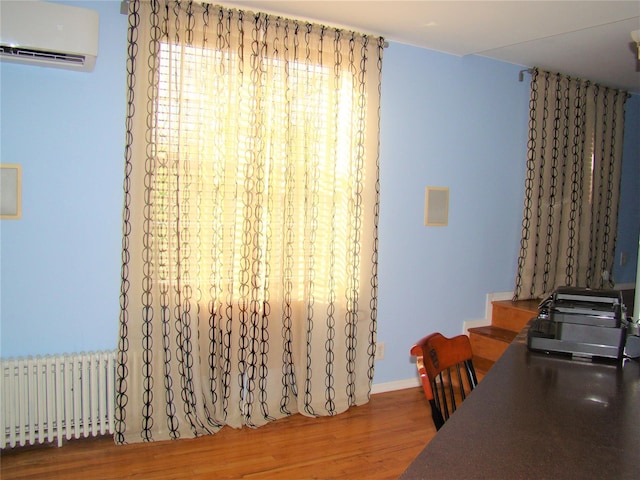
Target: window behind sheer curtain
{"points": [[250, 175], [572, 187]]}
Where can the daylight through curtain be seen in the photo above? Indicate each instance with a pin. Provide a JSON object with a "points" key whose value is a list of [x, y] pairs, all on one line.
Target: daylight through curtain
{"points": [[249, 275], [572, 185]]}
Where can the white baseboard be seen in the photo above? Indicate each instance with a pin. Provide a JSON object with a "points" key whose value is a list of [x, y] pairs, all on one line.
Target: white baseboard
{"points": [[415, 382], [496, 297], [396, 385], [488, 311]]}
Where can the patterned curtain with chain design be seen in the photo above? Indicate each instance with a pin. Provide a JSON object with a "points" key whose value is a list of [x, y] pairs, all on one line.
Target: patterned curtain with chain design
{"points": [[572, 185], [249, 276]]}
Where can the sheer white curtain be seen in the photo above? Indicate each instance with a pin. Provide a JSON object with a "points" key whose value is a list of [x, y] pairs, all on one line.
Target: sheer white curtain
{"points": [[572, 188], [249, 277]]}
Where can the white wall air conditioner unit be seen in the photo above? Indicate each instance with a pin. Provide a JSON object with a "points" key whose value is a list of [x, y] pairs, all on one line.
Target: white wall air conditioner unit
{"points": [[48, 34]]}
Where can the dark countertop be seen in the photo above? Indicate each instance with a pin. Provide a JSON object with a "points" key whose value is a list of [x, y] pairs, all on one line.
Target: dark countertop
{"points": [[537, 416]]}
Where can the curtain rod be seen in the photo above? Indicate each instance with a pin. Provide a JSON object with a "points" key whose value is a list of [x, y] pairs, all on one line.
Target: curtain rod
{"points": [[522, 72], [124, 10]]}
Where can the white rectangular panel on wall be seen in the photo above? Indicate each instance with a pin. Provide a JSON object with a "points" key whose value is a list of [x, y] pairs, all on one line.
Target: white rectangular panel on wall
{"points": [[10, 194], [436, 207]]}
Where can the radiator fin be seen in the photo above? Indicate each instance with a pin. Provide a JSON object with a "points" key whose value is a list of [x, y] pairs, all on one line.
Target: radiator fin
{"points": [[53, 398]]}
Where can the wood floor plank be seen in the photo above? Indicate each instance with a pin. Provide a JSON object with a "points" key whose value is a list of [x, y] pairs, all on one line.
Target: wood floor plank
{"points": [[373, 441]]}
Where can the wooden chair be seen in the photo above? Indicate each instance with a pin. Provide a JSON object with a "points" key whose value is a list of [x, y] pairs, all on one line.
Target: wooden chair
{"points": [[440, 361]]}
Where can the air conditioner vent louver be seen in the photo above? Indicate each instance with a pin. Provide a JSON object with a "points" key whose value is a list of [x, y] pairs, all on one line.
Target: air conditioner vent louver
{"points": [[49, 34], [25, 53]]}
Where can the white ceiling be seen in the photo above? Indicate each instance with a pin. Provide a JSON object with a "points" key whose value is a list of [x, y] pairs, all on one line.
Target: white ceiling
{"points": [[582, 38]]}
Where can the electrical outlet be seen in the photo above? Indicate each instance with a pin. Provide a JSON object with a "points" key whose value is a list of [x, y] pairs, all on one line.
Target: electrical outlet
{"points": [[379, 350], [623, 259]]}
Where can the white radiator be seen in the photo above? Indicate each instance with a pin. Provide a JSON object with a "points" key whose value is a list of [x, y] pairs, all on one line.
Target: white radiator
{"points": [[57, 397]]}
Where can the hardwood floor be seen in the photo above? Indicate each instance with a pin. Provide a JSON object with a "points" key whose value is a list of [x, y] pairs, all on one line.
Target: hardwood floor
{"points": [[373, 441]]}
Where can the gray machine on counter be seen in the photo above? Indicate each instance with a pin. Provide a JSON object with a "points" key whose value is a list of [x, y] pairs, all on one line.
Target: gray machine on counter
{"points": [[585, 323]]}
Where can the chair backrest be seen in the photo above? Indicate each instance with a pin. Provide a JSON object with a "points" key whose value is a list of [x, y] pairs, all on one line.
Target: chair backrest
{"points": [[441, 362]]}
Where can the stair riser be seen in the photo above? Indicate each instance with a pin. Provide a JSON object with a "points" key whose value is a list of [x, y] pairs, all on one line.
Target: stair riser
{"points": [[510, 318], [482, 366], [487, 347], [489, 343]]}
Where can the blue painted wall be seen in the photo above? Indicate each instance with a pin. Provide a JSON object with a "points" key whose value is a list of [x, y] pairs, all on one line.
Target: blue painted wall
{"points": [[459, 123], [445, 121], [61, 261], [629, 210]]}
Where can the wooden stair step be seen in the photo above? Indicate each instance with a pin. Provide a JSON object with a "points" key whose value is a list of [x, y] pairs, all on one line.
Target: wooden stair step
{"points": [[511, 315], [508, 318], [490, 342], [481, 366], [498, 333]]}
